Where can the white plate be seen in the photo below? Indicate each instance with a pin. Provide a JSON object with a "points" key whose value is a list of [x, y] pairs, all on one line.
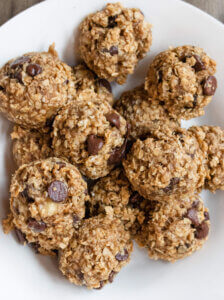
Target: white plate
{"points": [[24, 275]]}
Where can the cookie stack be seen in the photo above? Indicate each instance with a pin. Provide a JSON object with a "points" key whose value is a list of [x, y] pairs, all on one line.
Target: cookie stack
{"points": [[94, 174]]}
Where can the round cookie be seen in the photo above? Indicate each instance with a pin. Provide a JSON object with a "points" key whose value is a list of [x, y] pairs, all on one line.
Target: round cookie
{"points": [[30, 145], [114, 196], [183, 79], [97, 252], [90, 135], [113, 40], [211, 140], [47, 202], [176, 229], [85, 81], [143, 114], [33, 88], [165, 165]]}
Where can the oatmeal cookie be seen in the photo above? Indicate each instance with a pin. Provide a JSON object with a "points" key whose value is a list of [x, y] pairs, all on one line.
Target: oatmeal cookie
{"points": [[30, 145], [85, 81], [91, 135], [47, 202], [97, 252], [113, 40], [166, 165], [211, 140], [114, 196], [183, 79], [143, 114], [176, 229], [33, 88]]}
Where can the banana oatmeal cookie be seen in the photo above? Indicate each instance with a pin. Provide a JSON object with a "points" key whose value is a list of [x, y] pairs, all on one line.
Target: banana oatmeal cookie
{"points": [[34, 87], [113, 40], [30, 145], [85, 81], [114, 196], [211, 140], [143, 114], [91, 135], [47, 203], [182, 78], [97, 252], [176, 229], [166, 165]]}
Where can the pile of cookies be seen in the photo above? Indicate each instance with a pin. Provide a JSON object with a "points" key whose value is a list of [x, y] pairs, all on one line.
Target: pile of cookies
{"points": [[94, 174]]}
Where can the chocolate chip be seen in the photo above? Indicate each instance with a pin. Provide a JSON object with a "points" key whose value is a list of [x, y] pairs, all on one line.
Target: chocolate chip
{"points": [[1, 88], [18, 75], [195, 100], [192, 214], [35, 247], [36, 226], [199, 65], [113, 50], [61, 164], [160, 76], [114, 119], [76, 219], [94, 144], [209, 86], [103, 82], [57, 191], [20, 236], [202, 231], [174, 181], [66, 81], [34, 70], [111, 276], [122, 256], [206, 215], [24, 193], [119, 152], [19, 62], [112, 21], [162, 103]]}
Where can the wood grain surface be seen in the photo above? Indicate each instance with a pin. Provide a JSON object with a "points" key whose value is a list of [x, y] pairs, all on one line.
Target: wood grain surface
{"points": [[9, 8]]}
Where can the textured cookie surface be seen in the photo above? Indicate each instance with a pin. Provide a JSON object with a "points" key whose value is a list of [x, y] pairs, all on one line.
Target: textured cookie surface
{"points": [[97, 252], [33, 88], [113, 40], [47, 202], [183, 79], [175, 230]]}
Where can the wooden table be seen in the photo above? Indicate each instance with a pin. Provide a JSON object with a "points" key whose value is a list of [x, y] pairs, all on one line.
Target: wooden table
{"points": [[9, 8]]}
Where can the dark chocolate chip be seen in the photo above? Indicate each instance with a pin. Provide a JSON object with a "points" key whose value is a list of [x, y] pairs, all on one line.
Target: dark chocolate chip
{"points": [[34, 70], [103, 82], [195, 100], [192, 214], [111, 276], [35, 247], [61, 164], [162, 103], [20, 61], [209, 86], [112, 21], [199, 65], [174, 181], [113, 50], [76, 219], [57, 191], [114, 119], [36, 226], [94, 144], [24, 193], [1, 88], [66, 81], [20, 236], [119, 152], [122, 256], [206, 215], [160, 76], [202, 231]]}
